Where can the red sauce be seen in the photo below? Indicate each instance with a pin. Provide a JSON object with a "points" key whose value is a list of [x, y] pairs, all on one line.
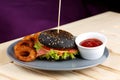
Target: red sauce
{"points": [[92, 42]]}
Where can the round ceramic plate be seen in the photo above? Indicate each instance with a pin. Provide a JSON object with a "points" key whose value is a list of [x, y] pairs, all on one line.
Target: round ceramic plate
{"points": [[78, 63]]}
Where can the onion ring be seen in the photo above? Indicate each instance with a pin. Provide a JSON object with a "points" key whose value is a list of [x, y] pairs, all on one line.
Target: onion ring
{"points": [[25, 54], [23, 43], [33, 37]]}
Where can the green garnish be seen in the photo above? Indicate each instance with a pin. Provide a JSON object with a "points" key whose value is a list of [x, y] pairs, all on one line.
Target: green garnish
{"points": [[53, 55], [37, 45]]}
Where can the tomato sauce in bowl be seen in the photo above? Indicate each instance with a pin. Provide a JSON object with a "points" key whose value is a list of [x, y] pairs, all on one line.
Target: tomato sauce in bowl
{"points": [[91, 42], [91, 45]]}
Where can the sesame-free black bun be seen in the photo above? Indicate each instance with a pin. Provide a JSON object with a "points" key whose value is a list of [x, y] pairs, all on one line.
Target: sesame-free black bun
{"points": [[53, 39]]}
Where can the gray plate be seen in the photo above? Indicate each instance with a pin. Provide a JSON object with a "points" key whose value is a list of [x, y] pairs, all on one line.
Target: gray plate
{"points": [[78, 63]]}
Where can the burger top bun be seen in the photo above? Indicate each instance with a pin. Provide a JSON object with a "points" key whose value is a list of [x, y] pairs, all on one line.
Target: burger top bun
{"points": [[53, 39]]}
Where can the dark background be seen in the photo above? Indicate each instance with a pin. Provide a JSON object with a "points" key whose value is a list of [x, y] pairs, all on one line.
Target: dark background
{"points": [[22, 17]]}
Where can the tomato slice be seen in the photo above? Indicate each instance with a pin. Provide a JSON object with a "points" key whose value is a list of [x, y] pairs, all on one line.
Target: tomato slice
{"points": [[42, 51], [45, 47]]}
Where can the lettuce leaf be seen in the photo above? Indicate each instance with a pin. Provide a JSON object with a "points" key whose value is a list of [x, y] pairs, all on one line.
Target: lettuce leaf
{"points": [[37, 45], [53, 55]]}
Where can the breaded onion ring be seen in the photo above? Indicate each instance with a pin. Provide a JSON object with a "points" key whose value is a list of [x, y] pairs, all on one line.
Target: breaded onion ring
{"points": [[25, 54], [29, 37], [33, 37], [21, 43]]}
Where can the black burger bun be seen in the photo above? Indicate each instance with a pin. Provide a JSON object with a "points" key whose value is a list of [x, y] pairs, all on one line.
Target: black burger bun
{"points": [[53, 39]]}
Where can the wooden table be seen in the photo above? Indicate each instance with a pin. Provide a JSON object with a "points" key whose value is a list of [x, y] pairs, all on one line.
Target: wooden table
{"points": [[107, 23]]}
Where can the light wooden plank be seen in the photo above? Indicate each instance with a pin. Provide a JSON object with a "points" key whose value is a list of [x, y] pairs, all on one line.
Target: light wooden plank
{"points": [[3, 77], [67, 75], [100, 74], [20, 73], [32, 74], [3, 56], [113, 39], [113, 61]]}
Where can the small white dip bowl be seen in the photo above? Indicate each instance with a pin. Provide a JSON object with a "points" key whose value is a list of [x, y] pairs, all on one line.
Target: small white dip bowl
{"points": [[91, 53]]}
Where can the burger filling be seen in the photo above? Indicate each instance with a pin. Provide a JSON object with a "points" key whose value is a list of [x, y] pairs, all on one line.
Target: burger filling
{"points": [[44, 52]]}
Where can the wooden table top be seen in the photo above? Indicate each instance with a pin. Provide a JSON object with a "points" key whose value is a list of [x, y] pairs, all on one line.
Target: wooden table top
{"points": [[107, 23]]}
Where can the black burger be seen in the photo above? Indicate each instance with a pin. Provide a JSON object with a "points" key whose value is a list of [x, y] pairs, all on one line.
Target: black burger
{"points": [[52, 45]]}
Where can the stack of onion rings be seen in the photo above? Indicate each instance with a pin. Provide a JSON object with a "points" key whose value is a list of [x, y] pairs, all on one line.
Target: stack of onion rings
{"points": [[24, 50]]}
